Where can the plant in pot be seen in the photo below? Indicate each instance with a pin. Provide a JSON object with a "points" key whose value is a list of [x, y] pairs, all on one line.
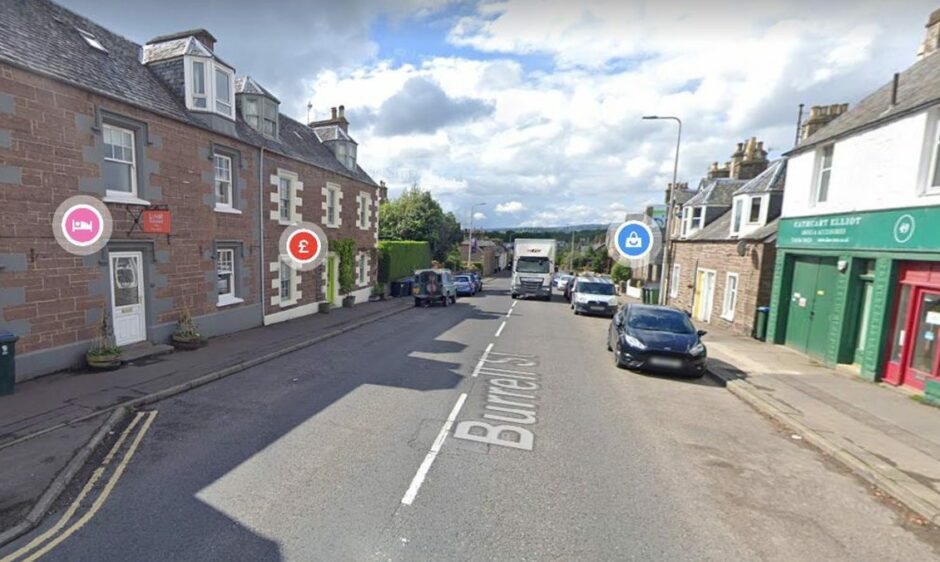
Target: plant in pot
{"points": [[378, 292], [346, 250], [104, 353], [187, 336]]}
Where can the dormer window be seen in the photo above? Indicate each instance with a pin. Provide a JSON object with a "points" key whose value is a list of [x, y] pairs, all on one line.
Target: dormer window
{"points": [[261, 113], [753, 216], [737, 216], [345, 152], [209, 86]]}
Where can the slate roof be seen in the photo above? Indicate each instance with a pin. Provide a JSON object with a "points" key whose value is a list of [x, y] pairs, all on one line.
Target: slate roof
{"points": [[175, 48], [918, 89], [770, 180], [717, 192], [331, 133], [719, 230], [247, 85], [60, 52]]}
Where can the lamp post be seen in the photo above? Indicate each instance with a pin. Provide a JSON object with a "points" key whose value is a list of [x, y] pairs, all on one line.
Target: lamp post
{"points": [[666, 273], [470, 240]]}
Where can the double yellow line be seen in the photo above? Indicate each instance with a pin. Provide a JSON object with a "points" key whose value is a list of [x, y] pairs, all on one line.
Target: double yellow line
{"points": [[59, 532]]}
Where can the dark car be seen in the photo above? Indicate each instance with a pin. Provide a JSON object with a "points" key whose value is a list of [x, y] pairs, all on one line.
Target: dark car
{"points": [[656, 338]]}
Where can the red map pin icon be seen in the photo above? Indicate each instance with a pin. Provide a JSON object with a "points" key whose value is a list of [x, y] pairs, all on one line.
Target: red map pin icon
{"points": [[303, 246]]}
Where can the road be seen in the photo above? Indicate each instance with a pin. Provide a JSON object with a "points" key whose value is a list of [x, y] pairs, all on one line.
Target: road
{"points": [[368, 447]]}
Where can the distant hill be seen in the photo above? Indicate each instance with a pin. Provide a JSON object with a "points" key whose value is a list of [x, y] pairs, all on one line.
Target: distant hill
{"points": [[569, 228]]}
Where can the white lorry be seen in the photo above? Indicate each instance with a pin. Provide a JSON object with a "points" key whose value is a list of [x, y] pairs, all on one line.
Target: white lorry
{"points": [[533, 266]]}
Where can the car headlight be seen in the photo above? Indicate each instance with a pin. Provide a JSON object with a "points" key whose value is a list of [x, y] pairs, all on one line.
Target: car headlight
{"points": [[633, 342], [697, 349]]}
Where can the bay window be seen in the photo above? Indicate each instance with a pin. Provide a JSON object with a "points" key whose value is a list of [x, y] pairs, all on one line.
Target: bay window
{"points": [[209, 86]]}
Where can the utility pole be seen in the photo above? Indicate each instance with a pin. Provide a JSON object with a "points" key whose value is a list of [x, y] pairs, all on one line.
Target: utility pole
{"points": [[571, 254], [666, 275], [470, 238]]}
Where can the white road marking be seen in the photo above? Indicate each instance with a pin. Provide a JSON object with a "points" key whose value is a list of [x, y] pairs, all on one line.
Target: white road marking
{"points": [[514, 303], [416, 482], [500, 330], [508, 314], [482, 361]]}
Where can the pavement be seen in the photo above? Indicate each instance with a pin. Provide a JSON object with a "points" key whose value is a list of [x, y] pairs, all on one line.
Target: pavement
{"points": [[877, 431], [491, 430], [48, 419]]}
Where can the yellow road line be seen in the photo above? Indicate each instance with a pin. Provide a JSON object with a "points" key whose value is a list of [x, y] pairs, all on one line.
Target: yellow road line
{"points": [[81, 496], [103, 497]]}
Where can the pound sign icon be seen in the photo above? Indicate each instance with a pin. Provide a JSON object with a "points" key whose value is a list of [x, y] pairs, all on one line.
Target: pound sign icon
{"points": [[302, 247]]}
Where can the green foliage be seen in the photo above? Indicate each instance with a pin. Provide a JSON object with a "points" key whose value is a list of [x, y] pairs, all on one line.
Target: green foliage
{"points": [[104, 341], [620, 273], [346, 251], [400, 258], [186, 327], [417, 216]]}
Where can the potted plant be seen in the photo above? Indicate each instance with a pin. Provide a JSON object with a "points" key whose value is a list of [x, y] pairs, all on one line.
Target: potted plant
{"points": [[104, 354], [378, 292], [346, 251], [187, 336]]}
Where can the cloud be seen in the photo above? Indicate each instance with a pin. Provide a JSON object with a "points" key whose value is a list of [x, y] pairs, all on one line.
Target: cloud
{"points": [[421, 106], [511, 207], [478, 216]]}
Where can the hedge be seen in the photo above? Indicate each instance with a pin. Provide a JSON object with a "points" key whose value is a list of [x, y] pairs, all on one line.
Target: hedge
{"points": [[400, 258]]}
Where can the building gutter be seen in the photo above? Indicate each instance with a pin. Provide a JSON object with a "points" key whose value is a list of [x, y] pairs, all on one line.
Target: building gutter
{"points": [[261, 228]]}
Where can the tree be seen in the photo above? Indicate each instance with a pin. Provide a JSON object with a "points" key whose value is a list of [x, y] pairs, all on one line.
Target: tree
{"points": [[620, 273], [417, 216]]}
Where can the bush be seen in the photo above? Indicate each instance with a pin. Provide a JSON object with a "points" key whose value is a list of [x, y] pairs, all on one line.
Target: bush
{"points": [[620, 273], [346, 251], [400, 258]]}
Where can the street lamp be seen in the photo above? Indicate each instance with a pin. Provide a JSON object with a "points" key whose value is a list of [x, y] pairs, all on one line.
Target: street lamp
{"points": [[666, 273], [470, 240]]}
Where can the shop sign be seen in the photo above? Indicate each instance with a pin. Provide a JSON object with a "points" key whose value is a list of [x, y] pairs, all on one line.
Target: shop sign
{"points": [[901, 229], [156, 222]]}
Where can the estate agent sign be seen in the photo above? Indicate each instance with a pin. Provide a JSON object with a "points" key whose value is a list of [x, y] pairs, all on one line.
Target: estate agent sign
{"points": [[899, 229]]}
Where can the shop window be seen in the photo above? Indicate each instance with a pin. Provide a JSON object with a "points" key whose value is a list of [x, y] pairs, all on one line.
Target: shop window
{"points": [[924, 355], [897, 341]]}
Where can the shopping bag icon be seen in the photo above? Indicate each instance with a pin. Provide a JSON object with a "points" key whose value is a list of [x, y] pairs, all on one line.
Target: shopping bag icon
{"points": [[633, 241]]}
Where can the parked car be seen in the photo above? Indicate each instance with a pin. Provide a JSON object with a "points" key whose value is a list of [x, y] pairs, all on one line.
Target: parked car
{"points": [[561, 280], [434, 285], [656, 338], [569, 286], [465, 285], [594, 295]]}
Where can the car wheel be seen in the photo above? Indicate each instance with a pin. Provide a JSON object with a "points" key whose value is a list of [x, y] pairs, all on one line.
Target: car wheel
{"points": [[618, 362], [446, 300], [417, 302], [453, 299]]}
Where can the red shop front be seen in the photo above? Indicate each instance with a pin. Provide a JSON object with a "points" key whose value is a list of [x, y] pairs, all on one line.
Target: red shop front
{"points": [[915, 343]]}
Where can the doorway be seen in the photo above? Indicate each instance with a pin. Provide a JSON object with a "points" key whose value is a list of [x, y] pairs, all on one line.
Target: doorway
{"points": [[128, 309], [810, 307], [704, 295], [332, 274], [915, 349]]}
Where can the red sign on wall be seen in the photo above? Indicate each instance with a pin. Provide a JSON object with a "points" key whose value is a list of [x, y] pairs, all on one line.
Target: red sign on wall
{"points": [[156, 222]]}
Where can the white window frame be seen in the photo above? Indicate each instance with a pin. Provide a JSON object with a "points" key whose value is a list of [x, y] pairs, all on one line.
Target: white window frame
{"points": [[362, 269], [675, 280], [288, 280], [737, 216], [730, 297], [228, 298], [332, 195], [933, 172], [281, 209], [362, 216], [750, 209], [692, 220], [116, 194], [820, 170], [686, 220], [209, 68], [221, 205]]}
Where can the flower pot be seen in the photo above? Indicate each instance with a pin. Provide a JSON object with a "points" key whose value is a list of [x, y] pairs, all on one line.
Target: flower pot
{"points": [[104, 362], [349, 301], [325, 307], [187, 344]]}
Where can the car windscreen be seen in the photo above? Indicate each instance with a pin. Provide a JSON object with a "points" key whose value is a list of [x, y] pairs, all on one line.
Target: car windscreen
{"points": [[660, 321], [591, 288], [462, 279], [533, 265]]}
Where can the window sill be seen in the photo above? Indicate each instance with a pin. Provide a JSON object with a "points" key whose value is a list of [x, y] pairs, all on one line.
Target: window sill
{"points": [[728, 318], [332, 225], [285, 222], [227, 300], [124, 199], [227, 210]]}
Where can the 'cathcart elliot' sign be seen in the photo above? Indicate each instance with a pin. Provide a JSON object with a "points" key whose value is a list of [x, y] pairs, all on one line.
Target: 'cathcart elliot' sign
{"points": [[898, 229]]}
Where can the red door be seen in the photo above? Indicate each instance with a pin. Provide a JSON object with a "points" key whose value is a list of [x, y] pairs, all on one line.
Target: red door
{"points": [[915, 335]]}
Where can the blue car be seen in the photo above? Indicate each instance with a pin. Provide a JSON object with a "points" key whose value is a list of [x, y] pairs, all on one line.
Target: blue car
{"points": [[465, 285]]}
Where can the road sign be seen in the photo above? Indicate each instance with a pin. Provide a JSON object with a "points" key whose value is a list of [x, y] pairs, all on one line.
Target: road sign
{"points": [[634, 240], [303, 246]]}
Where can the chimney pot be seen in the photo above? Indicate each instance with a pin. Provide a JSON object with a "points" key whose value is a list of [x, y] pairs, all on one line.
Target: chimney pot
{"points": [[333, 111], [342, 111]]}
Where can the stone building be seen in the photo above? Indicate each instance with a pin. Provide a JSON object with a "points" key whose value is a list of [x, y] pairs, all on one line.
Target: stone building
{"points": [[167, 126], [722, 269]]}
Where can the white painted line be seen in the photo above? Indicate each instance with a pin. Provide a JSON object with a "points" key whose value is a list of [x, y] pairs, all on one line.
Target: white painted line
{"points": [[514, 303], [500, 330], [482, 361], [416, 482], [508, 314]]}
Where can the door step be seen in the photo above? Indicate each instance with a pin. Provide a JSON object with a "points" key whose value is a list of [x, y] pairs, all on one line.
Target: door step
{"points": [[143, 350]]}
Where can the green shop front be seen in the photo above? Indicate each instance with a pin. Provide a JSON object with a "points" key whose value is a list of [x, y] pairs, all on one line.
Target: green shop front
{"points": [[862, 289]]}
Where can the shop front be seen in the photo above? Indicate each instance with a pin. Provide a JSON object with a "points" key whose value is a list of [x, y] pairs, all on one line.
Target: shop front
{"points": [[861, 289]]}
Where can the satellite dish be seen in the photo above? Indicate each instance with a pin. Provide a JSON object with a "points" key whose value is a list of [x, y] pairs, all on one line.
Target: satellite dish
{"points": [[742, 247]]}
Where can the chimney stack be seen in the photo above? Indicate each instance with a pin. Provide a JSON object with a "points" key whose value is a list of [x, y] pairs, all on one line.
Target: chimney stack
{"points": [[932, 39], [819, 117], [337, 118], [753, 162]]}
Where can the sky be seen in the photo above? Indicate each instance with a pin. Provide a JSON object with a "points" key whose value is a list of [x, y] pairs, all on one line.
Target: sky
{"points": [[534, 108]]}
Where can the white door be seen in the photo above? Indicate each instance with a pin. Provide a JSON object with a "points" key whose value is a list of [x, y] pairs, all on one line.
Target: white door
{"points": [[127, 297], [706, 295]]}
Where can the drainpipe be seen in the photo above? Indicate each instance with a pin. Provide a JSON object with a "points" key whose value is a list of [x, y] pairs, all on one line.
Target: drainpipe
{"points": [[261, 226]]}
